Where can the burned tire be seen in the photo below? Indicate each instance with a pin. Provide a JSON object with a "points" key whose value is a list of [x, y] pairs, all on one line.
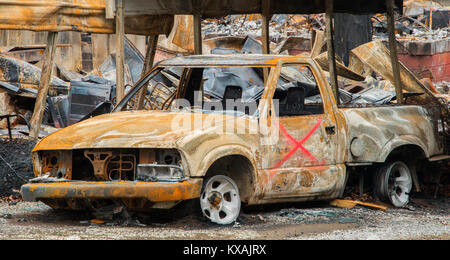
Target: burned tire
{"points": [[220, 201], [393, 183]]}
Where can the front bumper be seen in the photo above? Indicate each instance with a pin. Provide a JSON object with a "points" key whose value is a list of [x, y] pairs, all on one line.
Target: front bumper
{"points": [[152, 191]]}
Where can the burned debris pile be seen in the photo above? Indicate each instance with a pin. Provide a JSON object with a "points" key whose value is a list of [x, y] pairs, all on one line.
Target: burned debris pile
{"points": [[15, 164], [71, 98], [423, 35], [281, 26]]}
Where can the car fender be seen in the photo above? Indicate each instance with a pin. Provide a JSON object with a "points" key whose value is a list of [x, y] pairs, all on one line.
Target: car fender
{"points": [[220, 152], [401, 141]]}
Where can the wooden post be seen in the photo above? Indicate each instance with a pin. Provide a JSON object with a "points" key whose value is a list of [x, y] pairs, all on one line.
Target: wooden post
{"points": [[120, 50], [265, 37], [44, 84], [393, 51], [148, 65], [110, 9], [198, 39], [330, 49]]}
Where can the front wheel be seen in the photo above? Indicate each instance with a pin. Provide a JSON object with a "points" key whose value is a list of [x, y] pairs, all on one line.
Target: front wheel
{"points": [[220, 201], [393, 183]]}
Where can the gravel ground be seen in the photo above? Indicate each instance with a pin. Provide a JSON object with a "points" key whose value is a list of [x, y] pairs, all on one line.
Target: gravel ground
{"points": [[423, 219]]}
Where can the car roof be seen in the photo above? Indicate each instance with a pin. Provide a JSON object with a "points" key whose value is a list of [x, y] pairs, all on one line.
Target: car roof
{"points": [[213, 60]]}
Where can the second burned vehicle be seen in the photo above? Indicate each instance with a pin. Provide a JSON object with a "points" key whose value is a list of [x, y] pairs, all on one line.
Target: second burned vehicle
{"points": [[221, 135]]}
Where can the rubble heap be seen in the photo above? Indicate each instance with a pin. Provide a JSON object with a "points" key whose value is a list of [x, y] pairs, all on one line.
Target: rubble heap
{"points": [[280, 26]]}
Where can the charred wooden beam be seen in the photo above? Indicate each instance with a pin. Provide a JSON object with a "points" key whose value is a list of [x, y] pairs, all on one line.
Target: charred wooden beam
{"points": [[44, 84], [265, 27], [120, 50], [198, 39], [393, 50], [330, 49], [265, 37]]}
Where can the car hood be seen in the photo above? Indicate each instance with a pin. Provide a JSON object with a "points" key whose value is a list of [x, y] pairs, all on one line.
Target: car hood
{"points": [[141, 129]]}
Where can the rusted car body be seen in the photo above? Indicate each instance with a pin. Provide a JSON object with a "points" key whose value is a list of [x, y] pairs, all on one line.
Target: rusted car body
{"points": [[271, 157]]}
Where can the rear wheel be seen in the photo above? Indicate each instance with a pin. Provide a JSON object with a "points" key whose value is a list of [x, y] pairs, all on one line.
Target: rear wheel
{"points": [[220, 201], [393, 183]]}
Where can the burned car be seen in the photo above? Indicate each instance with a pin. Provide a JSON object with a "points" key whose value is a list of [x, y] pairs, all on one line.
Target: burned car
{"points": [[233, 130]]}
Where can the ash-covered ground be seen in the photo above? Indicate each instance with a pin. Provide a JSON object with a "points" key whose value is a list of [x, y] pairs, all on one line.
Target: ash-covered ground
{"points": [[424, 218]]}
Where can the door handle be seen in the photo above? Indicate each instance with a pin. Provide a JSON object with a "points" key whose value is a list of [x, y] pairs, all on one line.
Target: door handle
{"points": [[331, 130]]}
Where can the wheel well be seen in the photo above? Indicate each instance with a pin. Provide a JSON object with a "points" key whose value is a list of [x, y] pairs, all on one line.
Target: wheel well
{"points": [[412, 155], [406, 153], [237, 167]]}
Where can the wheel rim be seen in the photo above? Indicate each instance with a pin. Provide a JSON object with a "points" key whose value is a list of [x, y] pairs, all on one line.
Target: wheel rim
{"points": [[220, 201], [399, 186]]}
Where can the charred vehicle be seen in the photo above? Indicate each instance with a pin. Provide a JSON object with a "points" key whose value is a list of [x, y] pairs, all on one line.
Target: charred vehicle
{"points": [[232, 130]]}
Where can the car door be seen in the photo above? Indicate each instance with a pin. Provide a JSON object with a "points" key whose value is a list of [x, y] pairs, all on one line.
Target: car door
{"points": [[301, 162]]}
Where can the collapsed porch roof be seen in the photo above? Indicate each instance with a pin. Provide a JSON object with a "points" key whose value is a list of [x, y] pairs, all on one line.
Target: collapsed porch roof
{"points": [[209, 8]]}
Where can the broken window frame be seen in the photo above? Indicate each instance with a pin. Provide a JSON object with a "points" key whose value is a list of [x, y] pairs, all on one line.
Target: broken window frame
{"points": [[314, 80], [275, 74], [182, 87], [245, 102]]}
